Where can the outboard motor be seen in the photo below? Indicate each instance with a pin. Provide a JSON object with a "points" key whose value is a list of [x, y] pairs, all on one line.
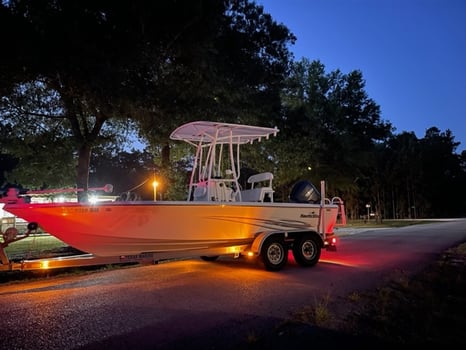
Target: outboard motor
{"points": [[304, 192]]}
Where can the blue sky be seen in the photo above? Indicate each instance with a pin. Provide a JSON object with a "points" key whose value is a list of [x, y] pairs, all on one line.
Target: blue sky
{"points": [[412, 54]]}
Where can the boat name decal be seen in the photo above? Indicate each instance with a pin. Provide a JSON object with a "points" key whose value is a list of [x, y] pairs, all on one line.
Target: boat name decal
{"points": [[82, 210], [311, 215]]}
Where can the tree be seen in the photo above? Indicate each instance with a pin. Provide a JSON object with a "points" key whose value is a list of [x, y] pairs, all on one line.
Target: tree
{"points": [[400, 172], [421, 177], [40, 137], [130, 173], [154, 62], [442, 177], [330, 127]]}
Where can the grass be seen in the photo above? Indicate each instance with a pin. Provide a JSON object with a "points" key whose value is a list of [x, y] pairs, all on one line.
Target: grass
{"points": [[34, 246], [426, 309], [386, 223]]}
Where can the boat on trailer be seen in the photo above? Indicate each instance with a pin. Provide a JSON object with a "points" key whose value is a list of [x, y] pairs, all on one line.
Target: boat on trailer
{"points": [[218, 218]]}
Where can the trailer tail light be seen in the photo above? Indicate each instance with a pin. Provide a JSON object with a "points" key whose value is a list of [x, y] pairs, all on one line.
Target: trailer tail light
{"points": [[331, 243]]}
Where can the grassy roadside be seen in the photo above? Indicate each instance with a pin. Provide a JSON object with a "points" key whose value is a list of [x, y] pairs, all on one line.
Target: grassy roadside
{"points": [[35, 246], [426, 309], [386, 223]]}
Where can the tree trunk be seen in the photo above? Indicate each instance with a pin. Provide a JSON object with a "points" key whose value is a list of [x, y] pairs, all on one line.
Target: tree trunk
{"points": [[166, 156], [82, 172]]}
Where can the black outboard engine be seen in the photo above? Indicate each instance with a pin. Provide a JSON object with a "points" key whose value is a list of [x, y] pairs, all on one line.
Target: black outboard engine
{"points": [[304, 192]]}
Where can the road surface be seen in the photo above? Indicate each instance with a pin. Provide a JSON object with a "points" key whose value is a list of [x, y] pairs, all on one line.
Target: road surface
{"points": [[195, 304]]}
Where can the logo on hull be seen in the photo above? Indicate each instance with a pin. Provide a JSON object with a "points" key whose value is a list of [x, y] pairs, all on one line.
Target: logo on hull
{"points": [[312, 215]]}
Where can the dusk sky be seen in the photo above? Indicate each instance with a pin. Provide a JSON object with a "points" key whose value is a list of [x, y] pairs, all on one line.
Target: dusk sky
{"points": [[412, 54]]}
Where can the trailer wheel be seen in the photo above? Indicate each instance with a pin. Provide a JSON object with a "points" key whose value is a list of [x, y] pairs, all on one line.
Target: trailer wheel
{"points": [[306, 251], [274, 254], [209, 258]]}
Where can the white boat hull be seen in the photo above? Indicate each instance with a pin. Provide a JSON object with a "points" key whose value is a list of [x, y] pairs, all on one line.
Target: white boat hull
{"points": [[122, 228]]}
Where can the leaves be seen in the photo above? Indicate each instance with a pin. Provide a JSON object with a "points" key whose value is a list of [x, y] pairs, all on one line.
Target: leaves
{"points": [[156, 63], [80, 78]]}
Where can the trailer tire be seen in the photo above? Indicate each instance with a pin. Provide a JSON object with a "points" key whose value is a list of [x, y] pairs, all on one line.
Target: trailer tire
{"points": [[274, 253], [209, 258], [306, 250]]}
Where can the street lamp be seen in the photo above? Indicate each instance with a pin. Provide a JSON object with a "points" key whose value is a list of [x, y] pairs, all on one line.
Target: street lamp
{"points": [[155, 184], [368, 206]]}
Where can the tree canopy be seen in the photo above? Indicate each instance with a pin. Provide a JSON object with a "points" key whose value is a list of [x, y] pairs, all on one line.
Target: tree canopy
{"points": [[331, 117], [153, 62], [80, 77]]}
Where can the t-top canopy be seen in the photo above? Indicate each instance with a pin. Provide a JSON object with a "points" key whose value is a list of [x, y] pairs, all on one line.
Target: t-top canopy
{"points": [[208, 132]]}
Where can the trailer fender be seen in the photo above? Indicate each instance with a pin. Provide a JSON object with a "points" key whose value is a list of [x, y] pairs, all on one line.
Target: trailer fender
{"points": [[256, 246]]}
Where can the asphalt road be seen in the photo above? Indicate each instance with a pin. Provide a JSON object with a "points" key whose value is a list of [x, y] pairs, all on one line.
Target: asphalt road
{"points": [[194, 304]]}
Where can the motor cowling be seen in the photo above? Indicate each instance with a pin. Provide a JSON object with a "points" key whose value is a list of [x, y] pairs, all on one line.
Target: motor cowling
{"points": [[304, 192]]}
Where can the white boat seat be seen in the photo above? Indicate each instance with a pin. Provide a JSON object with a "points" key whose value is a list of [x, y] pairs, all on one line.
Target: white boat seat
{"points": [[261, 188], [256, 179]]}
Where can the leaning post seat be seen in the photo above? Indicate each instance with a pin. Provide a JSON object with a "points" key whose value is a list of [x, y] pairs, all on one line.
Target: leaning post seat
{"points": [[261, 188]]}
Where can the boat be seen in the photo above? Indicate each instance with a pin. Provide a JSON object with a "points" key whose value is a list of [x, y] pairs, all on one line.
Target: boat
{"points": [[219, 217]]}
